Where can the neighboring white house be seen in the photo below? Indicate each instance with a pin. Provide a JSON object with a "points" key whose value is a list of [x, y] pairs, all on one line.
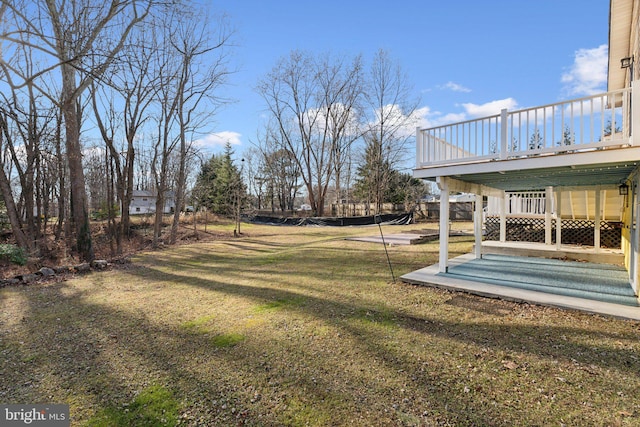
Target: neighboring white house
{"points": [[144, 202]]}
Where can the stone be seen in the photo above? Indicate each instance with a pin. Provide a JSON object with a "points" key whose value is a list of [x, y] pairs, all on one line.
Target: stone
{"points": [[47, 272], [82, 268], [9, 282], [27, 278], [62, 269], [99, 264]]}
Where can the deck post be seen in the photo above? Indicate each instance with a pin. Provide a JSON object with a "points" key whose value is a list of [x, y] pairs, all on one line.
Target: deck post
{"points": [[598, 218], [558, 219], [477, 226], [443, 261], [635, 236], [503, 134], [635, 118], [419, 147], [548, 197], [503, 217]]}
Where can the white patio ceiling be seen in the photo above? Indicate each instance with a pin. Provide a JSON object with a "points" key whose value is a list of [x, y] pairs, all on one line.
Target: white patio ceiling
{"points": [[602, 175]]}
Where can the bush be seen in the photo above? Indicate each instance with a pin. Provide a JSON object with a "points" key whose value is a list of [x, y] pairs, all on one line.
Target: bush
{"points": [[103, 213], [13, 254]]}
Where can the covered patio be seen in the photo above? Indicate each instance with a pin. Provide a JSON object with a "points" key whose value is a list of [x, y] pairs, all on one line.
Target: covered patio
{"points": [[594, 288], [586, 146]]}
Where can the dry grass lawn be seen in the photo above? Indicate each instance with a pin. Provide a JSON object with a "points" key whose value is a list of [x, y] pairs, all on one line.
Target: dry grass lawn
{"points": [[297, 326]]}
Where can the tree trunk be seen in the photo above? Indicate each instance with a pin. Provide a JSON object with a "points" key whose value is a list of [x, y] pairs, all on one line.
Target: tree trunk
{"points": [[179, 199], [128, 195], [111, 214], [80, 205], [182, 178], [14, 219], [63, 188], [157, 225]]}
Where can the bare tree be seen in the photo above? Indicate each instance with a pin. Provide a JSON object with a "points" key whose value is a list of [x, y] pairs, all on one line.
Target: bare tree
{"points": [[132, 79], [107, 164], [313, 101], [279, 169], [343, 93], [26, 121], [22, 239], [203, 69], [168, 70], [391, 101], [81, 39]]}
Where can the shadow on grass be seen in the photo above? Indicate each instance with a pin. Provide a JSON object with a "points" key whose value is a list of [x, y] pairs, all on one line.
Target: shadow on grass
{"points": [[93, 356], [501, 335]]}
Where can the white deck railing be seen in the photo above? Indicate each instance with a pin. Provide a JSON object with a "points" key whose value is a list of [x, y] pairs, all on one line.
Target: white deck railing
{"points": [[571, 126]]}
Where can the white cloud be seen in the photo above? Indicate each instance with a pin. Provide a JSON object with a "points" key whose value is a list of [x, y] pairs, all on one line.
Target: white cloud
{"points": [[405, 125], [394, 116], [455, 87], [426, 118], [588, 74], [452, 118], [490, 108], [218, 139], [424, 114]]}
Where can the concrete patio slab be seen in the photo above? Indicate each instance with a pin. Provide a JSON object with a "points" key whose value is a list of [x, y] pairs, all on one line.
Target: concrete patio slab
{"points": [[394, 239], [408, 238], [487, 286]]}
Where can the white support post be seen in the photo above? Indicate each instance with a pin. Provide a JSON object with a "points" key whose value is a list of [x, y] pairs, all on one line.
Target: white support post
{"points": [[573, 211], [598, 218], [586, 203], [477, 226], [559, 219], [635, 236], [503, 134], [443, 262], [548, 237], [635, 118], [419, 148], [503, 217]]}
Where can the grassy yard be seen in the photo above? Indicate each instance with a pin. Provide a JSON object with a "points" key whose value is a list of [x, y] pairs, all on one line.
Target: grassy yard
{"points": [[298, 326]]}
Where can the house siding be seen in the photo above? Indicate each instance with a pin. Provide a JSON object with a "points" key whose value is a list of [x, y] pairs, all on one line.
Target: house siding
{"points": [[144, 202]]}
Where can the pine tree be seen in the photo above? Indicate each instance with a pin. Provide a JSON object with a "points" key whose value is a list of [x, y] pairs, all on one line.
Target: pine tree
{"points": [[536, 142], [219, 185], [373, 176]]}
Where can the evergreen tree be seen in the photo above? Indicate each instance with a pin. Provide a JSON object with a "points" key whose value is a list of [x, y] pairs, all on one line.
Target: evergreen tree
{"points": [[536, 142], [568, 138], [608, 131], [405, 189], [219, 184], [373, 175]]}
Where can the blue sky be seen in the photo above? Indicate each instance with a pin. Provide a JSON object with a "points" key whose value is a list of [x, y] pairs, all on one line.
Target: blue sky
{"points": [[464, 58]]}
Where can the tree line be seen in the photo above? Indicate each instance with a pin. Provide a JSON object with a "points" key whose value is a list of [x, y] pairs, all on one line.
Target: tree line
{"points": [[102, 98], [336, 132], [335, 123]]}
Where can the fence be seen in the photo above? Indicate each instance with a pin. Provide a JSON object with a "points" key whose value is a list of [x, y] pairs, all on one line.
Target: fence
{"points": [[429, 211]]}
